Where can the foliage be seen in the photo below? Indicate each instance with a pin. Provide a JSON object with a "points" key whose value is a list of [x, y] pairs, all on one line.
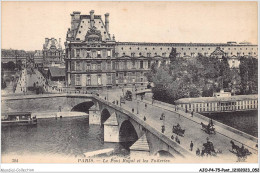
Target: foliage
{"points": [[249, 75], [201, 76]]}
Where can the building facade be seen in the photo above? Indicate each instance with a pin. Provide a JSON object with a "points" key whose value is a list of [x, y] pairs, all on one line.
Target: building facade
{"points": [[94, 58], [219, 104], [52, 52]]}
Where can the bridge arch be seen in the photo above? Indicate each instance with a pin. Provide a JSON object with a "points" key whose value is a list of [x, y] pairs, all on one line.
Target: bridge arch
{"points": [[127, 133], [164, 153], [105, 114], [83, 107]]}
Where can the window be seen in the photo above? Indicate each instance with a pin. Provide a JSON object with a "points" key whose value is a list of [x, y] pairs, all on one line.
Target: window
{"points": [[108, 53], [184, 53], [99, 66], [148, 54], [78, 81], [88, 67], [133, 64], [117, 65], [125, 64], [141, 64], [98, 54], [99, 82], [104, 32], [88, 80], [109, 80], [78, 66], [132, 54], [79, 32], [93, 66], [77, 52], [149, 63], [109, 65]]}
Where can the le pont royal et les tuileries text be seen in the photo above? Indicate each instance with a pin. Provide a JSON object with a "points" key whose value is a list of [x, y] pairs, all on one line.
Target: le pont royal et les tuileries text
{"points": [[122, 160]]}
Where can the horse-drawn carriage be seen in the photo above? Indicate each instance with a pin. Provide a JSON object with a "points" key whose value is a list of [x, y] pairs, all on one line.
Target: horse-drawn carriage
{"points": [[177, 130], [208, 128], [208, 149], [240, 152], [128, 95]]}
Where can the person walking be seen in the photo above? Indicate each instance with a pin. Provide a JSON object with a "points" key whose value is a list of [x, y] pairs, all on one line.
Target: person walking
{"points": [[144, 118], [198, 152], [163, 128], [145, 106], [191, 145]]}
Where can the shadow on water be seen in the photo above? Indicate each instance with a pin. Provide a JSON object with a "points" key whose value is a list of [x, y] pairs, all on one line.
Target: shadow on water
{"points": [[246, 121]]}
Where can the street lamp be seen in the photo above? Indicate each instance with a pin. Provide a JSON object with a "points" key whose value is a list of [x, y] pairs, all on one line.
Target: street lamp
{"points": [[137, 111]]}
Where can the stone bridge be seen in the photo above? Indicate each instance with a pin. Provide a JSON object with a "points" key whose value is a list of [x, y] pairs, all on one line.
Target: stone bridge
{"points": [[120, 125]]}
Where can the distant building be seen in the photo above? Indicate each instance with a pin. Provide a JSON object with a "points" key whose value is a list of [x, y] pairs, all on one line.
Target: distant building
{"points": [[219, 104], [38, 58], [222, 93], [52, 52], [94, 58], [16, 56], [56, 74]]}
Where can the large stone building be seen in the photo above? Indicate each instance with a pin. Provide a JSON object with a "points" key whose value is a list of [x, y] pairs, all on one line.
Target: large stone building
{"points": [[52, 52], [94, 59]]}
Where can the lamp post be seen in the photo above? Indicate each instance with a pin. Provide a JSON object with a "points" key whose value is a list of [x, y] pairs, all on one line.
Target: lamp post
{"points": [[107, 93], [137, 111]]}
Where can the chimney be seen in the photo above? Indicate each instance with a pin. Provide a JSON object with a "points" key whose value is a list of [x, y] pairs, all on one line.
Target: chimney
{"points": [[107, 22], [46, 41], [91, 18]]}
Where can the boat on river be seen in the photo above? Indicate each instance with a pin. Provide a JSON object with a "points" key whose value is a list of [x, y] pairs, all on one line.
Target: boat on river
{"points": [[18, 118]]}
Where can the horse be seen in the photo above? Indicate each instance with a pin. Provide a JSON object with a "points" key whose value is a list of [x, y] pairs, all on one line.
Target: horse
{"points": [[178, 131], [208, 128], [234, 146]]}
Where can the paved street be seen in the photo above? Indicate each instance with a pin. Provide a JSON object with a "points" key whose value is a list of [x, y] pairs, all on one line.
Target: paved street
{"points": [[193, 131]]}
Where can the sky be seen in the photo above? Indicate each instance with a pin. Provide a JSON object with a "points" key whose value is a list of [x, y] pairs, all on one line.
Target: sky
{"points": [[26, 24]]}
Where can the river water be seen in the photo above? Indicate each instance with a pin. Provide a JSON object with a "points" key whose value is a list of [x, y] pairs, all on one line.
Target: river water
{"points": [[73, 136], [70, 136]]}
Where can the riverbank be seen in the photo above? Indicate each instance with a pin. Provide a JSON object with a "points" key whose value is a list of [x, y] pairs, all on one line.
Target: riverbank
{"points": [[58, 114]]}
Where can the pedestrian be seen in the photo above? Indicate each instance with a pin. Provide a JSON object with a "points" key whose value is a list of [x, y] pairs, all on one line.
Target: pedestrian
{"points": [[133, 110], [192, 114], [186, 110], [191, 145], [144, 118], [211, 122], [198, 152], [145, 105], [163, 128], [172, 137]]}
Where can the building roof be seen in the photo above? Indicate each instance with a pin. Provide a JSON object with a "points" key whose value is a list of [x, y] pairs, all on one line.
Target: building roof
{"points": [[57, 72], [51, 43], [216, 99]]}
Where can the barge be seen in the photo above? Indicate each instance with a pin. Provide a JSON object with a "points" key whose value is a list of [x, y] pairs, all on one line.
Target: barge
{"points": [[18, 118]]}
